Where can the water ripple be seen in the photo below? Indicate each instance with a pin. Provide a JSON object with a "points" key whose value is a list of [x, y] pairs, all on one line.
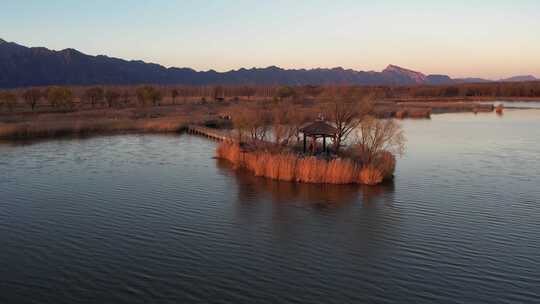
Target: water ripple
{"points": [[138, 219]]}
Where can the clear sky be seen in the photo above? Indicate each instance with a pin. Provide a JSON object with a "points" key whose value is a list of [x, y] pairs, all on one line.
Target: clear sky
{"points": [[483, 38]]}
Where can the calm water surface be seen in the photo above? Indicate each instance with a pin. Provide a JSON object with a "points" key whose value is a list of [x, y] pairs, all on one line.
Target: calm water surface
{"points": [[155, 219], [518, 104]]}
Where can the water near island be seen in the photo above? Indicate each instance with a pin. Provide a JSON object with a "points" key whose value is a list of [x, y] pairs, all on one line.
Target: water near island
{"points": [[155, 219]]}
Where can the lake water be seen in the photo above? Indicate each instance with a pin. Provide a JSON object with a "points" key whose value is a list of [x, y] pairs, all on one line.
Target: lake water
{"points": [[155, 219], [516, 104]]}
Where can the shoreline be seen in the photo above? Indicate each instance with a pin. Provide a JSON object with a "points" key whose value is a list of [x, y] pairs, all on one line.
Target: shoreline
{"points": [[290, 166], [464, 99], [174, 118]]}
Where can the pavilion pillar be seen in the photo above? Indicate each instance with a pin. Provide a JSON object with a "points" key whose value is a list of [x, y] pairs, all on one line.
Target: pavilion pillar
{"points": [[304, 143], [324, 144]]}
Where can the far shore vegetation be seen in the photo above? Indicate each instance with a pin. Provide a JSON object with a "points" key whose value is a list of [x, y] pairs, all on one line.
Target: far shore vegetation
{"points": [[43, 112]]}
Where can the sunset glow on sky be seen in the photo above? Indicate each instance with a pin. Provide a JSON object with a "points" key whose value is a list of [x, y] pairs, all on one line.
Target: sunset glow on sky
{"points": [[490, 39]]}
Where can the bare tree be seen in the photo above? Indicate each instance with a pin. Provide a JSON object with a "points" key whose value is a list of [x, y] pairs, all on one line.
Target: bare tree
{"points": [[248, 92], [312, 90], [376, 136], [285, 92], [184, 92], [31, 97], [148, 94], [286, 123], [142, 96], [60, 97], [345, 108], [94, 95], [8, 99], [126, 97], [111, 97], [174, 95], [156, 97], [218, 93], [253, 122]]}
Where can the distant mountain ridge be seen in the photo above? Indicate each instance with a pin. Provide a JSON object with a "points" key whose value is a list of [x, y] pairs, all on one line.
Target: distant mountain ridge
{"points": [[22, 66], [520, 78]]}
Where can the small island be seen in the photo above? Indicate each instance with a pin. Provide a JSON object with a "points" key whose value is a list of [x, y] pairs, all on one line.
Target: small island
{"points": [[288, 145]]}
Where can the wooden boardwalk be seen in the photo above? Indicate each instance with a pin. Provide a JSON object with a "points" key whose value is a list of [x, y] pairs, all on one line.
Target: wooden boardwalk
{"points": [[220, 135], [209, 133]]}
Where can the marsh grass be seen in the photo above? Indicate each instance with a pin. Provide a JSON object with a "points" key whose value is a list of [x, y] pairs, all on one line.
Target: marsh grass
{"points": [[291, 167], [100, 121], [51, 128]]}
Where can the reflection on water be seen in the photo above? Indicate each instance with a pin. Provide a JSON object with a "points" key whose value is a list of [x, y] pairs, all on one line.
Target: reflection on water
{"points": [[251, 187], [516, 104], [155, 219]]}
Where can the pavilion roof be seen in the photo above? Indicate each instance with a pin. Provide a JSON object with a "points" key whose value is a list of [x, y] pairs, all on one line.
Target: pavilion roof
{"points": [[319, 128]]}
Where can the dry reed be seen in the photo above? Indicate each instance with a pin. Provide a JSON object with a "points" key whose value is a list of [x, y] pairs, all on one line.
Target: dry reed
{"points": [[370, 175], [286, 166], [77, 127], [385, 162]]}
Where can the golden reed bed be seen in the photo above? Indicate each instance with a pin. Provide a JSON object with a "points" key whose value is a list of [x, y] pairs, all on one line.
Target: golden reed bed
{"points": [[290, 167], [51, 129]]}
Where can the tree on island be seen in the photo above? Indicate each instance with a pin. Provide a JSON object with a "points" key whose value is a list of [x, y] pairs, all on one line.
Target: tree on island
{"points": [[32, 97], [376, 136], [287, 120], [345, 108], [251, 122]]}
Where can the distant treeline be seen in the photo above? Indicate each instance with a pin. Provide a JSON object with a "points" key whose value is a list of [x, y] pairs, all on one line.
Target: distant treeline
{"points": [[121, 96], [505, 89], [469, 90]]}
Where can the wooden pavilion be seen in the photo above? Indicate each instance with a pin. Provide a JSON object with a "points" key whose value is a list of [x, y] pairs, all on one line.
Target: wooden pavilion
{"points": [[316, 130]]}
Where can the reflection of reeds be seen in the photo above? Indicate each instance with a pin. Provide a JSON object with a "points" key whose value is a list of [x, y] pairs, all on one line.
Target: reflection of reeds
{"points": [[291, 167]]}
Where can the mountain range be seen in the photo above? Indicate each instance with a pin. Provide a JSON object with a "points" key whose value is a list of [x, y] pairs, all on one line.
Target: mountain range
{"points": [[22, 66]]}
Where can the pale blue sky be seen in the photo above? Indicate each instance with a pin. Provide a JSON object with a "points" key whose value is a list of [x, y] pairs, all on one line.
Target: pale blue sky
{"points": [[483, 38]]}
